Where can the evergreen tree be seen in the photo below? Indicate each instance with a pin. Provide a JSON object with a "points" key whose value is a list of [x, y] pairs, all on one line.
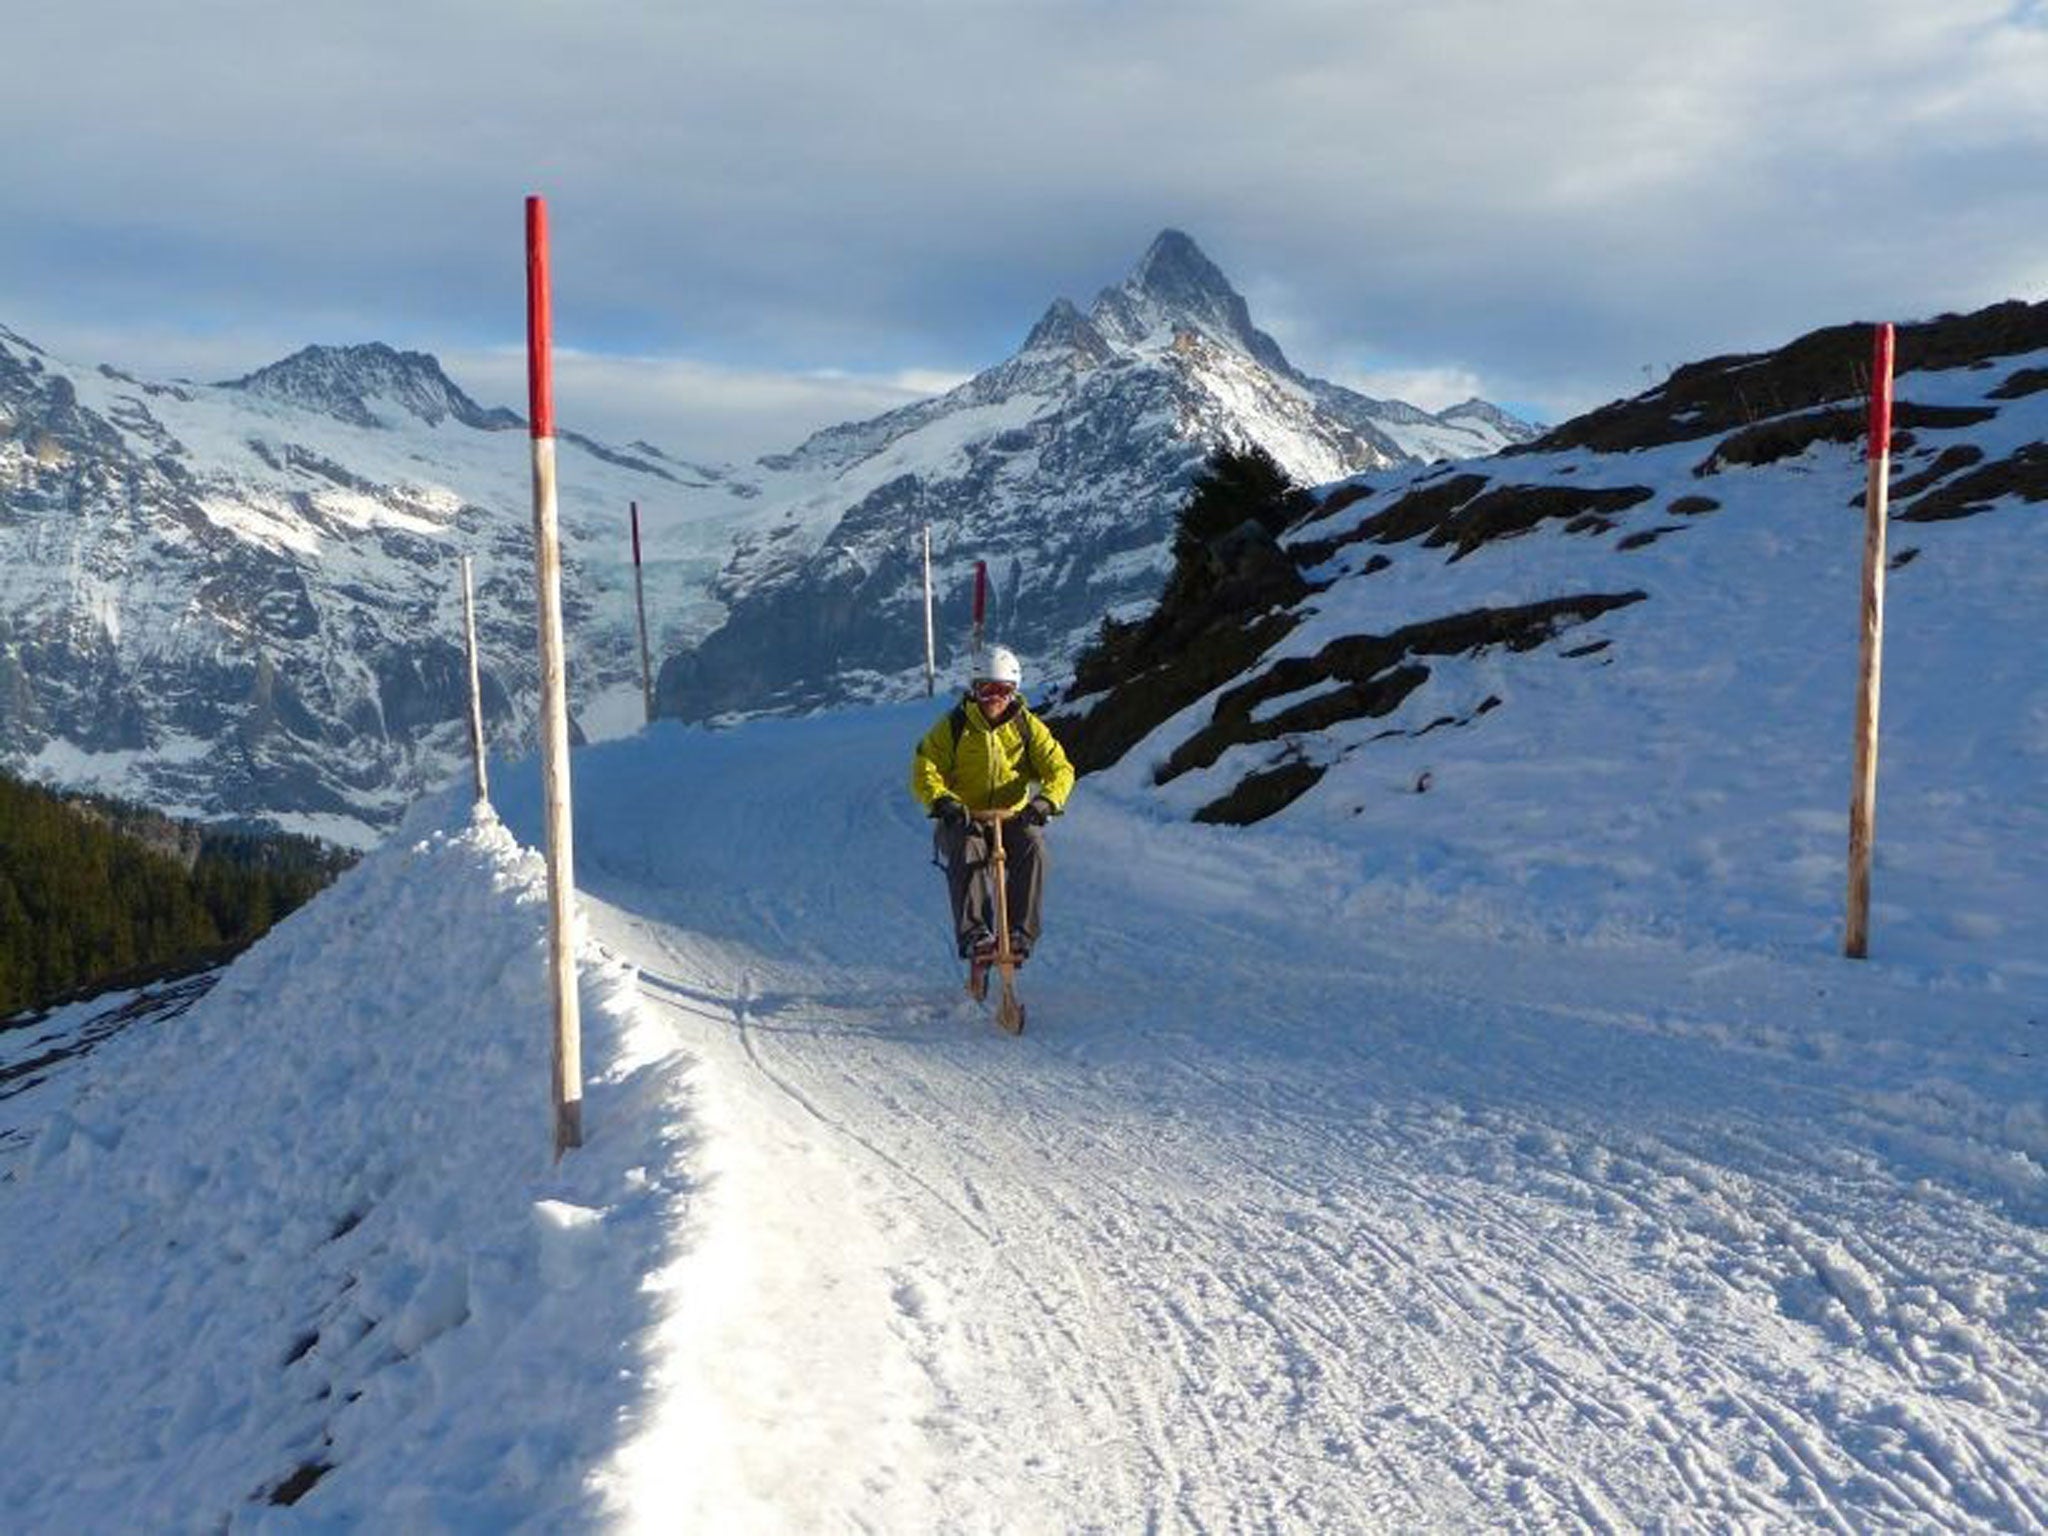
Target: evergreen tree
{"points": [[94, 892], [1236, 486]]}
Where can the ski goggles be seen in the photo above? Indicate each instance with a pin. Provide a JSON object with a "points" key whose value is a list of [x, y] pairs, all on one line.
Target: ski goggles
{"points": [[991, 692]]}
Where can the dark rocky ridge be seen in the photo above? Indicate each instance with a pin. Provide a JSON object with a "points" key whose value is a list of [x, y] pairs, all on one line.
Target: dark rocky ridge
{"points": [[1374, 673], [1824, 367], [342, 382], [2024, 473]]}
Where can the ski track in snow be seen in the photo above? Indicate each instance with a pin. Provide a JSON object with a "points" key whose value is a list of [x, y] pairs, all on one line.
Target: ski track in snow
{"points": [[1240, 1236]]}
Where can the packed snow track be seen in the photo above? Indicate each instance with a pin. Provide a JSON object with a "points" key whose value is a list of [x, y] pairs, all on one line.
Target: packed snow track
{"points": [[1281, 1218]]}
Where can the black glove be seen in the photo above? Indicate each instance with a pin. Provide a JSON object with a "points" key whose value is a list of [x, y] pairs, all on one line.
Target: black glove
{"points": [[950, 813], [1038, 812]]}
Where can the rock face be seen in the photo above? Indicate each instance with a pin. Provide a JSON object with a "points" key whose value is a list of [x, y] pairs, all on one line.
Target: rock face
{"points": [[371, 386], [1061, 467]]}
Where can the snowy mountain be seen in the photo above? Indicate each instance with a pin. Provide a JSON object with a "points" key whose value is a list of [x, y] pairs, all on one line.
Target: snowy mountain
{"points": [[239, 600], [371, 386], [1061, 467]]}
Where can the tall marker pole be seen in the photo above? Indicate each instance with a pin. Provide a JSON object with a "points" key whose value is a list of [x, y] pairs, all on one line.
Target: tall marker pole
{"points": [[1863, 801], [476, 695], [640, 603], [554, 693], [931, 649], [980, 607]]}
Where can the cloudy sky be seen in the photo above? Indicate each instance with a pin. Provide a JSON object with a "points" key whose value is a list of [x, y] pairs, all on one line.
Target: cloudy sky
{"points": [[771, 215]]}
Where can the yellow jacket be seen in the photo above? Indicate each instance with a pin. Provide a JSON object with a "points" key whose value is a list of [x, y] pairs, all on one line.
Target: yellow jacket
{"points": [[990, 765]]}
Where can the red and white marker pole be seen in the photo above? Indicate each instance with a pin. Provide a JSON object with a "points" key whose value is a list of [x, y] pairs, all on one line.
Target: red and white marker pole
{"points": [[1863, 800], [640, 604], [554, 691]]}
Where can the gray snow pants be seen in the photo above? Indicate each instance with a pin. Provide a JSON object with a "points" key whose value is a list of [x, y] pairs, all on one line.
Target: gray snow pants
{"points": [[966, 854]]}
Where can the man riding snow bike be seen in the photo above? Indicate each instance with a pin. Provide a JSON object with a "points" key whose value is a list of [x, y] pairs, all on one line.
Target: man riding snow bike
{"points": [[991, 754]]}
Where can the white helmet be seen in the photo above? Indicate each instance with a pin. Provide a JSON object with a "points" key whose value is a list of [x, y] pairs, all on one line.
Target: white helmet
{"points": [[1002, 667]]}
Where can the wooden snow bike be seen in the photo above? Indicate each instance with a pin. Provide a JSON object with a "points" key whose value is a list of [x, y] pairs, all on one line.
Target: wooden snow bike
{"points": [[1010, 1009]]}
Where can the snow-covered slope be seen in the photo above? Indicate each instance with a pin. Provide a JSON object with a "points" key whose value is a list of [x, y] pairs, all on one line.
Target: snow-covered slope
{"points": [[1345, 1179], [336, 1239], [1694, 553]]}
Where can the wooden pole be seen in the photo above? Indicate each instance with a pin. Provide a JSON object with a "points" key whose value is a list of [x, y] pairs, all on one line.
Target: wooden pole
{"points": [[1009, 1012], [640, 604], [554, 692], [931, 648], [1863, 800], [476, 695], [980, 607]]}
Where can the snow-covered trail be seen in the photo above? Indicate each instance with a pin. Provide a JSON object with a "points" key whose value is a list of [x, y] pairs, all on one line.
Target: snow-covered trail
{"points": [[1254, 1232]]}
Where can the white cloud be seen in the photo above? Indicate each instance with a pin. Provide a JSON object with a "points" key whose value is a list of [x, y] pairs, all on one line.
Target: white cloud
{"points": [[697, 410], [1434, 389], [1545, 199]]}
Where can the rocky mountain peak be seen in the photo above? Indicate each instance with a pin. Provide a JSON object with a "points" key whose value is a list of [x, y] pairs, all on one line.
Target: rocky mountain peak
{"points": [[1176, 271], [1064, 332], [1176, 288], [368, 384], [1062, 467]]}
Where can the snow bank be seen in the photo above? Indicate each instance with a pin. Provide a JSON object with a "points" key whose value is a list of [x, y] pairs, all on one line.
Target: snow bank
{"points": [[312, 1224]]}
